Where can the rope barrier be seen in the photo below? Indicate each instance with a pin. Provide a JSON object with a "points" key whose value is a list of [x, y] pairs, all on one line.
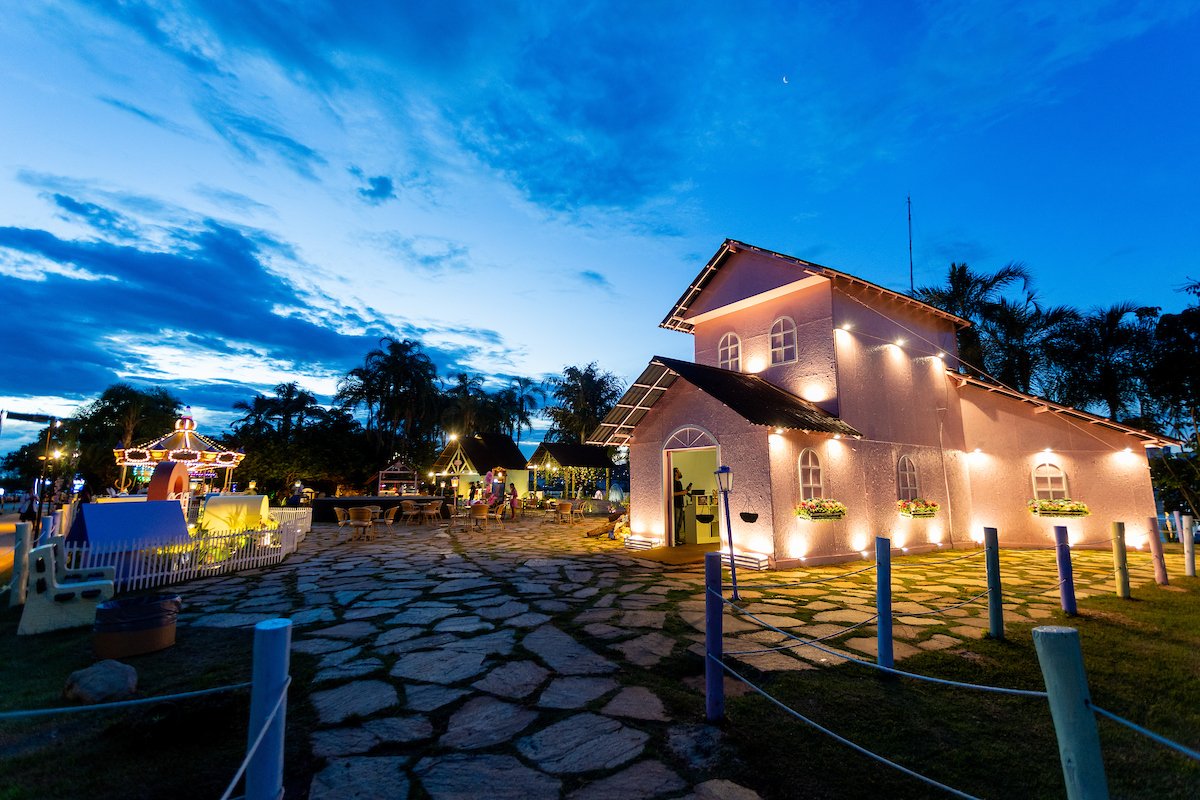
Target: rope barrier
{"points": [[1035, 594], [843, 740], [1094, 541], [801, 583], [806, 642], [891, 670], [43, 712], [1192, 754], [253, 748], [947, 608]]}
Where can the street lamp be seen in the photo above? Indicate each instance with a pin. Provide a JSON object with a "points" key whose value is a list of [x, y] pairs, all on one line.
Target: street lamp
{"points": [[41, 487], [724, 485]]}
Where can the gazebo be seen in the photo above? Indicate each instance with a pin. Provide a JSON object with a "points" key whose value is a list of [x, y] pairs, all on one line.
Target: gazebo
{"points": [[468, 458], [576, 462], [201, 455]]}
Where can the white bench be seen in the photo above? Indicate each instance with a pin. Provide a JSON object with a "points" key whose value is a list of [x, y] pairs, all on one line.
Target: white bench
{"points": [[51, 604]]}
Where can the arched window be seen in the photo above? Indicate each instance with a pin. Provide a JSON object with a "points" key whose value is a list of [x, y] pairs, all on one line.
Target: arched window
{"points": [[810, 475], [729, 352], [783, 341], [1049, 482], [907, 487], [688, 437]]}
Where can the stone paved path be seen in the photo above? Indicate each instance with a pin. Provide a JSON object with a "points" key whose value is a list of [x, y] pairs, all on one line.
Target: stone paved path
{"points": [[506, 663]]}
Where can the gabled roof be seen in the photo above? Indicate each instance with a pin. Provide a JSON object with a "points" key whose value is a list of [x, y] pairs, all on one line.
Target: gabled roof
{"points": [[756, 400], [675, 321], [480, 452], [1043, 405], [565, 454]]}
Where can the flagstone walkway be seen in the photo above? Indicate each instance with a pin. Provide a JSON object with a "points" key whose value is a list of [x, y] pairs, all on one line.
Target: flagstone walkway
{"points": [[507, 663]]}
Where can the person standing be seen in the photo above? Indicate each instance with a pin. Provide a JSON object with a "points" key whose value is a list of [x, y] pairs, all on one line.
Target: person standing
{"points": [[678, 493], [513, 502]]}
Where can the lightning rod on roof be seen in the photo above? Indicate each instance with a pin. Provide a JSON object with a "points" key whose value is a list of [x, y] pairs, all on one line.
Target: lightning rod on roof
{"points": [[911, 287]]}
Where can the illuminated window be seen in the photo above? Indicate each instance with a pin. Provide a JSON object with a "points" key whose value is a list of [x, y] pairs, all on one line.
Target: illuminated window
{"points": [[906, 479], [729, 352], [1049, 483], [810, 475], [783, 341]]}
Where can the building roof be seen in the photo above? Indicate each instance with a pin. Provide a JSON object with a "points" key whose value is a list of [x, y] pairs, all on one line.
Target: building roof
{"points": [[565, 454], [1043, 405], [479, 453], [756, 400], [182, 444], [675, 319]]}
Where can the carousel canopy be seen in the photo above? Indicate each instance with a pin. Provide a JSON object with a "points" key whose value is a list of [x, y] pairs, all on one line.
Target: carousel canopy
{"points": [[184, 445]]}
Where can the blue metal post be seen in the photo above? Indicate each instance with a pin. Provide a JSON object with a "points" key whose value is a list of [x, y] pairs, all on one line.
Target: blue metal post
{"points": [[883, 600], [1156, 553], [714, 610], [729, 535], [991, 556], [1120, 561], [272, 654], [1066, 576], [1061, 660]]}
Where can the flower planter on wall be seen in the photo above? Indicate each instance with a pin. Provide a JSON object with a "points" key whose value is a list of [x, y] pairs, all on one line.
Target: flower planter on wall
{"points": [[1058, 508], [919, 514], [917, 508], [817, 517]]}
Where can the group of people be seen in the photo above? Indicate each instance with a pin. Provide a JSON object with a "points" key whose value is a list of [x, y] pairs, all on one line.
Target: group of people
{"points": [[485, 492]]}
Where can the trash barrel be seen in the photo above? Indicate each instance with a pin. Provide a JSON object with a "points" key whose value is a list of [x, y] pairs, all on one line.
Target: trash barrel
{"points": [[132, 626]]}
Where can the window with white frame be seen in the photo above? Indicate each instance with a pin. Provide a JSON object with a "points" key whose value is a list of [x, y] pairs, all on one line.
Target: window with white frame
{"points": [[729, 352], [1049, 482], [810, 475], [906, 479], [783, 341]]}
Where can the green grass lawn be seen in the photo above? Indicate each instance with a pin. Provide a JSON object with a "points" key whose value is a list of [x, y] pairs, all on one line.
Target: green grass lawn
{"points": [[178, 749], [1142, 659]]}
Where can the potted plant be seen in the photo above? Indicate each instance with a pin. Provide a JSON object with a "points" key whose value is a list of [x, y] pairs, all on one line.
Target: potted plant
{"points": [[1058, 508], [820, 508], [918, 508]]}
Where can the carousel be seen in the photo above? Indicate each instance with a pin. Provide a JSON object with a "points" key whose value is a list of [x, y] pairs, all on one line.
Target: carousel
{"points": [[201, 456]]}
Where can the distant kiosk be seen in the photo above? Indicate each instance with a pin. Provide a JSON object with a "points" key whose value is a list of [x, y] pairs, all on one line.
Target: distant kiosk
{"points": [[399, 479]]}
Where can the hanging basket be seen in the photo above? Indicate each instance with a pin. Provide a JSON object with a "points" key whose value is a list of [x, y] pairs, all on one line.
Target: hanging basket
{"points": [[1058, 508], [920, 514]]}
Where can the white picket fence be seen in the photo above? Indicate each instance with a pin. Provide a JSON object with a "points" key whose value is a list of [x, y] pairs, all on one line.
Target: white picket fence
{"points": [[143, 565], [302, 517]]}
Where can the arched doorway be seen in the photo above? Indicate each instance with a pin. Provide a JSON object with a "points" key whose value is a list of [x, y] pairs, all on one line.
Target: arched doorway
{"points": [[695, 453]]}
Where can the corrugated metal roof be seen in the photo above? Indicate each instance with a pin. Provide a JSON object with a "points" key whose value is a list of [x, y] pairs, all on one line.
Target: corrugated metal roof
{"points": [[565, 454], [756, 400]]}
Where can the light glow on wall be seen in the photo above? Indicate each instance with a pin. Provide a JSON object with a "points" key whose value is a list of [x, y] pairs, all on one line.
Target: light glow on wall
{"points": [[859, 540], [1126, 458], [900, 539], [935, 532], [755, 364], [814, 393], [977, 534], [797, 545]]}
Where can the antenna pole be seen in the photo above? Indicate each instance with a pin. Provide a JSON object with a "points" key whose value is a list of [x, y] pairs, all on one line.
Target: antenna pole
{"points": [[911, 287]]}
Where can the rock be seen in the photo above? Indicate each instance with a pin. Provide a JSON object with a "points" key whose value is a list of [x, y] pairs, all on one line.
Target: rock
{"points": [[648, 650], [360, 779], [507, 610], [103, 682], [428, 698], [583, 743], [515, 679], [636, 702], [312, 615], [485, 721], [317, 646], [723, 790], [575, 692], [438, 666], [469, 624], [352, 741], [698, 746], [563, 654], [642, 781], [354, 699], [349, 630], [459, 777]]}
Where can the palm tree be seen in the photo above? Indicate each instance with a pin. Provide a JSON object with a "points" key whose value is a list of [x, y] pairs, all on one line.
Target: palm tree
{"points": [[1015, 337], [971, 295], [526, 393], [256, 420], [396, 384], [465, 400], [1103, 357], [584, 397]]}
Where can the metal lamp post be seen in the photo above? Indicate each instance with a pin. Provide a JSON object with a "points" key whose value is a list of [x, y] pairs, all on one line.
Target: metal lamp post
{"points": [[41, 485], [724, 485]]}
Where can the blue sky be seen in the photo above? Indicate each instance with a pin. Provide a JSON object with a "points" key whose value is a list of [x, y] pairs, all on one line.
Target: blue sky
{"points": [[220, 196]]}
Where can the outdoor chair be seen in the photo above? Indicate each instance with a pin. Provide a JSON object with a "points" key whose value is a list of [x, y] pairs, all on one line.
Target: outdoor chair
{"points": [[410, 511], [50, 605], [431, 513], [496, 512], [562, 512], [479, 515], [376, 511], [362, 523], [343, 519], [389, 517], [577, 512]]}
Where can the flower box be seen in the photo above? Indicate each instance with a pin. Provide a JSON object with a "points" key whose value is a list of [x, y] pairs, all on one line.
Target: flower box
{"points": [[918, 508], [1058, 508], [820, 509]]}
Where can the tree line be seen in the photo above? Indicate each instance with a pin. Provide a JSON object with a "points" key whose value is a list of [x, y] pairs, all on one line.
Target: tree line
{"points": [[394, 406]]}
